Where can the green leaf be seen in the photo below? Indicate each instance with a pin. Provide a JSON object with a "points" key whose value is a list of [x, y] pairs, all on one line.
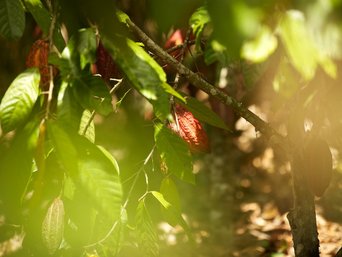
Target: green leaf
{"points": [[303, 54], [64, 147], [99, 178], [69, 111], [87, 126], [169, 190], [261, 47], [143, 72], [87, 46], [198, 20], [16, 168], [173, 214], [147, 237], [203, 113], [174, 152], [12, 19], [43, 19], [92, 170], [92, 93], [19, 99]]}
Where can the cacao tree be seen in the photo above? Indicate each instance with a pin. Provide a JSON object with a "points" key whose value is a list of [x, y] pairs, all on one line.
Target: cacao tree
{"points": [[172, 78]]}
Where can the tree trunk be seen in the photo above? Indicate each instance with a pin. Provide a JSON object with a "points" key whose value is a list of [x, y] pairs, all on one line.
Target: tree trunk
{"points": [[302, 217]]}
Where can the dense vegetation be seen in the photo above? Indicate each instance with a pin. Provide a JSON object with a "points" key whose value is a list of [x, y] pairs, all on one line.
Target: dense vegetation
{"points": [[168, 128]]}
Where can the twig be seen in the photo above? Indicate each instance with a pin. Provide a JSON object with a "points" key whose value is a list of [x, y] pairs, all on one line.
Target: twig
{"points": [[196, 80]]}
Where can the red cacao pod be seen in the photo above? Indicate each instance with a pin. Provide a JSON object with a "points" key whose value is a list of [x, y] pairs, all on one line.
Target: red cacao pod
{"points": [[317, 162], [190, 130], [105, 64], [174, 40], [38, 57]]}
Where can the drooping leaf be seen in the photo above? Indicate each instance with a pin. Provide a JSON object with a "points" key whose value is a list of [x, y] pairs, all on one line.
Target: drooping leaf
{"points": [[19, 99], [198, 20], [203, 113], [173, 214], [64, 147], [174, 152], [169, 190], [12, 19], [99, 179], [147, 237], [16, 168], [90, 169], [69, 111], [43, 19], [87, 46], [53, 226], [143, 72], [87, 127]]}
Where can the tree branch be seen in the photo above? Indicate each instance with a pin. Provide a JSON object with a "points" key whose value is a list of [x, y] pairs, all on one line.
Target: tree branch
{"points": [[196, 80]]}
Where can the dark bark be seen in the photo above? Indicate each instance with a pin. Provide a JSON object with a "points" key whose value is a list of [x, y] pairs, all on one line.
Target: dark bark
{"points": [[302, 217]]}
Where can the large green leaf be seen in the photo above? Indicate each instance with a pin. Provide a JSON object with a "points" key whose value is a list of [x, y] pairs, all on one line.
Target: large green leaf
{"points": [[174, 152], [143, 72], [169, 190], [173, 213], [99, 179], [147, 237], [19, 99], [65, 149], [16, 168], [12, 19], [43, 19], [91, 169], [303, 54], [92, 93], [203, 113]]}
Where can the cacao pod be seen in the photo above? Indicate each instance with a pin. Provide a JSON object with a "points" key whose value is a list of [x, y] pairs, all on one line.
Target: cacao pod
{"points": [[38, 57], [190, 130], [53, 226], [105, 64], [317, 160], [174, 40]]}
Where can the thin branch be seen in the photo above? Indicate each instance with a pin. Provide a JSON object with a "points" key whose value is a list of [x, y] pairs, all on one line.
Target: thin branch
{"points": [[196, 80]]}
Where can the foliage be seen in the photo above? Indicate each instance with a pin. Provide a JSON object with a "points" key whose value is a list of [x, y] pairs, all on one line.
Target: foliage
{"points": [[66, 194]]}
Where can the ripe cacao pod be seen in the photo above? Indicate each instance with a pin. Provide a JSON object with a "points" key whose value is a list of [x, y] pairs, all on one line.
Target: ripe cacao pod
{"points": [[38, 57], [105, 64], [190, 130], [174, 40], [317, 162]]}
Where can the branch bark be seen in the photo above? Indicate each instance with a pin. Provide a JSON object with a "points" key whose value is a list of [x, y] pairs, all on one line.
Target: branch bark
{"points": [[302, 217], [196, 80]]}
